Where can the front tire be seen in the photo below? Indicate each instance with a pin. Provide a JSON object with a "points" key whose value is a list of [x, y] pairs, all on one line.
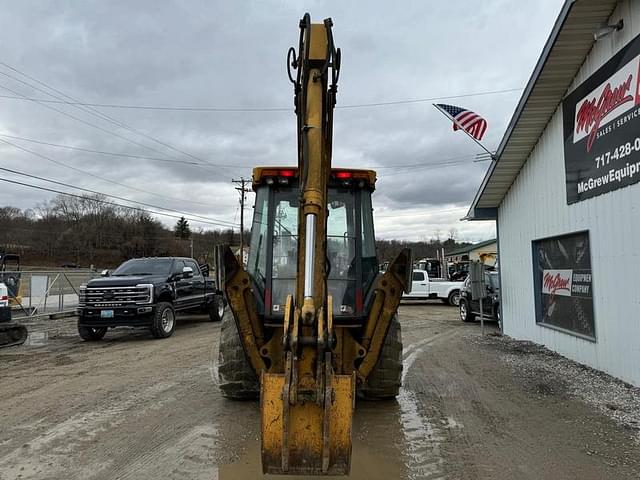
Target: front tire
{"points": [[237, 379], [454, 298], [386, 378], [164, 320], [216, 309], [91, 334], [465, 312]]}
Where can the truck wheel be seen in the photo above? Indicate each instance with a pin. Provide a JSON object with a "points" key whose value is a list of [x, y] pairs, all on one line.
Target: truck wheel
{"points": [[216, 308], [90, 334], [164, 320], [237, 379], [454, 298], [386, 378], [465, 312]]}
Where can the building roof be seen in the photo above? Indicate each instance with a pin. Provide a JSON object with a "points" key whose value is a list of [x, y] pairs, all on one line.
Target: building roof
{"points": [[564, 53], [470, 248]]}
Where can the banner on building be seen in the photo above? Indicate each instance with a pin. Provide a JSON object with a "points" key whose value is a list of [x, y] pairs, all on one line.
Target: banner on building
{"points": [[563, 283], [601, 124]]}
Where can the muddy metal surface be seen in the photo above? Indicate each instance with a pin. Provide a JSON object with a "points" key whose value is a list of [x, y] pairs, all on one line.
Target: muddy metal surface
{"points": [[131, 407]]}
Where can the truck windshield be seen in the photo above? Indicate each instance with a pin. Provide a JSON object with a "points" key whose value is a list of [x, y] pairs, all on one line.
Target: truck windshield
{"points": [[144, 266]]}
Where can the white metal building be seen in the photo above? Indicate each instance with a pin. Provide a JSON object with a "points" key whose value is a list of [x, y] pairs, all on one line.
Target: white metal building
{"points": [[486, 251], [565, 196]]}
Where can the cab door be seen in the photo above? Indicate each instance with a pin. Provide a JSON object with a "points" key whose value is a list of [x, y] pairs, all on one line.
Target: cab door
{"points": [[196, 290], [419, 284], [183, 286]]}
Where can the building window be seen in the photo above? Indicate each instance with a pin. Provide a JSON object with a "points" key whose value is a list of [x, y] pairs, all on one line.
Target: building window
{"points": [[563, 284]]}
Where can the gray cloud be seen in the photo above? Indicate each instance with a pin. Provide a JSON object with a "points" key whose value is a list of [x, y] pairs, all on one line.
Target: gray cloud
{"points": [[232, 54]]}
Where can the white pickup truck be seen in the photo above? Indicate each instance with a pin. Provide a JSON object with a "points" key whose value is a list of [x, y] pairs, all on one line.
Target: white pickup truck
{"points": [[422, 288]]}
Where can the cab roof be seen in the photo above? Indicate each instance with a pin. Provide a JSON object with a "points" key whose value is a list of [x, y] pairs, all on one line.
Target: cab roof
{"points": [[261, 174]]}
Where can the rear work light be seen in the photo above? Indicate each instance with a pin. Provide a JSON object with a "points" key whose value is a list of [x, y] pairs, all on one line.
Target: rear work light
{"points": [[344, 175]]}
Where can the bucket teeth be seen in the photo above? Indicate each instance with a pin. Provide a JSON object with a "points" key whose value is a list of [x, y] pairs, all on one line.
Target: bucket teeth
{"points": [[306, 438]]}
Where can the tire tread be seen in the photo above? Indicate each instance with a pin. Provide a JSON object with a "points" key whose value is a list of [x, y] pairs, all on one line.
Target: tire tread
{"points": [[386, 378]]}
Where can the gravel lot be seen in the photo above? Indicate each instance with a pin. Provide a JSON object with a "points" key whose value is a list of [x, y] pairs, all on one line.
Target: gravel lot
{"points": [[471, 408]]}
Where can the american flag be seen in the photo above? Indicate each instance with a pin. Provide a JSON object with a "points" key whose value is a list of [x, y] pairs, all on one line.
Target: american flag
{"points": [[465, 119]]}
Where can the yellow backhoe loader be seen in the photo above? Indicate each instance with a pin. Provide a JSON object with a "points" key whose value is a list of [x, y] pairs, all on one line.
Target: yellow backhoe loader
{"points": [[312, 323]]}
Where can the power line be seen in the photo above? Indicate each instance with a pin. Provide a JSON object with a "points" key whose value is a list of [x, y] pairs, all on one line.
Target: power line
{"points": [[104, 179], [413, 214], [423, 164], [45, 231], [38, 187], [434, 166], [261, 109], [431, 99], [101, 152], [115, 154], [92, 111], [114, 196], [84, 122]]}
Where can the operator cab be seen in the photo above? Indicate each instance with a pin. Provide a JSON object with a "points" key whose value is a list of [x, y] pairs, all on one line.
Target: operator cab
{"points": [[352, 265]]}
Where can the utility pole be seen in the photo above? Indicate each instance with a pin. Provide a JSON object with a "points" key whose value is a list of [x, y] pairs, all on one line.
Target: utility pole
{"points": [[243, 190]]}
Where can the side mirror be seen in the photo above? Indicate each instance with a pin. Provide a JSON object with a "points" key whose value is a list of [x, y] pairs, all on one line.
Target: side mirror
{"points": [[105, 273], [187, 272]]}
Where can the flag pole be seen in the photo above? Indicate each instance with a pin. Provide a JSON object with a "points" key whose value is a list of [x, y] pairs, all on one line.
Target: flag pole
{"points": [[462, 128]]}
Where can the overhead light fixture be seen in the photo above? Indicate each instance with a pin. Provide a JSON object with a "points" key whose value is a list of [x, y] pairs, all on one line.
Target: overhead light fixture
{"points": [[607, 29]]}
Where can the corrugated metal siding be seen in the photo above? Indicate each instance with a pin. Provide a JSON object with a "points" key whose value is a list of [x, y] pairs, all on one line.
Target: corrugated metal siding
{"points": [[535, 207]]}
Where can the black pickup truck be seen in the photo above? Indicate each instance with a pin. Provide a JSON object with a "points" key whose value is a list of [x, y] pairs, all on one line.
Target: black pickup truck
{"points": [[147, 292]]}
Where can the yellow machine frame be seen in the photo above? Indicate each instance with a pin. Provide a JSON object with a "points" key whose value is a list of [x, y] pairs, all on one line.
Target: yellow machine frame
{"points": [[309, 367]]}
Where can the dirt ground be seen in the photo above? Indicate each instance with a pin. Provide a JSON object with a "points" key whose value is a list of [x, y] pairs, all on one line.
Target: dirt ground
{"points": [[131, 407]]}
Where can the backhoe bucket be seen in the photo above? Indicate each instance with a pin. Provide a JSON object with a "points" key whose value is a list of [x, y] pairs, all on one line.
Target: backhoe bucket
{"points": [[307, 438]]}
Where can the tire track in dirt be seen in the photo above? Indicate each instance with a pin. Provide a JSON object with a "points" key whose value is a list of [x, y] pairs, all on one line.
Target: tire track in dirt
{"points": [[423, 438], [50, 452]]}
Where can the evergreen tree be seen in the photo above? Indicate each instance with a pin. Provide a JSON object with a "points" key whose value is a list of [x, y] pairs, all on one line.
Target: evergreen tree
{"points": [[182, 229]]}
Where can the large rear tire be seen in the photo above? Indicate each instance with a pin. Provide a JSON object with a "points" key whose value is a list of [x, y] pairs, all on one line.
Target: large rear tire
{"points": [[386, 378], [237, 379]]}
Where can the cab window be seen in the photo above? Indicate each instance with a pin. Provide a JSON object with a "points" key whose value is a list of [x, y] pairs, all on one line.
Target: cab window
{"points": [[194, 267]]}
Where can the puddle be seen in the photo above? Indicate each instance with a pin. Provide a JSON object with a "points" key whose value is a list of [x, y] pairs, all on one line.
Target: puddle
{"points": [[36, 339], [422, 438], [366, 464], [422, 450], [391, 440]]}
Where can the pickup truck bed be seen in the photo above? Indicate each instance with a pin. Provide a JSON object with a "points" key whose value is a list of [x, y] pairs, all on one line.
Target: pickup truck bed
{"points": [[423, 288]]}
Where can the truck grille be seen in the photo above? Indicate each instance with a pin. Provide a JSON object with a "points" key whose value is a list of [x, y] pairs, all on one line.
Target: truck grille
{"points": [[114, 296]]}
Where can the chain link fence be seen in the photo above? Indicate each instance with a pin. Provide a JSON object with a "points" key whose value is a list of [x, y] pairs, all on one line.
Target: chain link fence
{"points": [[45, 293]]}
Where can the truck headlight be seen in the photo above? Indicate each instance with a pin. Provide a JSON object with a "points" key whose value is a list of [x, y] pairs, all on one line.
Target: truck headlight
{"points": [[149, 289]]}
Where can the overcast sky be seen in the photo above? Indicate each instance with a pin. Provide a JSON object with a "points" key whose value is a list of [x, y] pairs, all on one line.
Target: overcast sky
{"points": [[232, 54]]}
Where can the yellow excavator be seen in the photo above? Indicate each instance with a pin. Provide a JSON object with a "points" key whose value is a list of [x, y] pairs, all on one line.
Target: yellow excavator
{"points": [[312, 323]]}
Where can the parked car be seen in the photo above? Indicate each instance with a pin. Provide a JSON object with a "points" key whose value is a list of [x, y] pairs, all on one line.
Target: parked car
{"points": [[147, 292], [423, 288], [470, 307]]}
